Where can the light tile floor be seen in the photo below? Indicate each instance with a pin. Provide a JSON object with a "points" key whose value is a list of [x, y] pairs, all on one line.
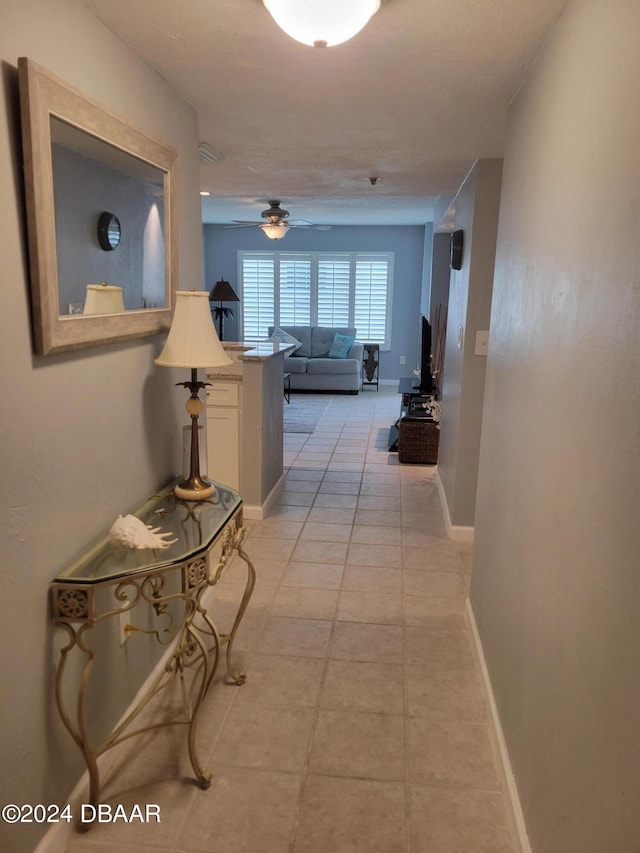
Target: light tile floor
{"points": [[362, 727]]}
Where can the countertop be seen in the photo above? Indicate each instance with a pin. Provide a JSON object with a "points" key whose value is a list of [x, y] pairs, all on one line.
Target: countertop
{"points": [[250, 351]]}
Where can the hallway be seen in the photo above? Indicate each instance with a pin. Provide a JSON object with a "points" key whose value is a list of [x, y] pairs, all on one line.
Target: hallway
{"points": [[362, 727]]}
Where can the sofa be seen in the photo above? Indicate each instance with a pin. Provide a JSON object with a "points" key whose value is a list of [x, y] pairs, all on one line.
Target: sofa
{"points": [[311, 368]]}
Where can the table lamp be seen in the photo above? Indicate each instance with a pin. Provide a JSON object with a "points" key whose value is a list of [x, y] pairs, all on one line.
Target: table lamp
{"points": [[103, 299], [192, 342]]}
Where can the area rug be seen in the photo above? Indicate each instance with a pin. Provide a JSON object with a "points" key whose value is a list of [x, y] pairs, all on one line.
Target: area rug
{"points": [[304, 411]]}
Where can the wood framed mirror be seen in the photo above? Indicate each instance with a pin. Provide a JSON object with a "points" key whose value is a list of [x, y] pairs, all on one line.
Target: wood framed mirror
{"points": [[87, 170]]}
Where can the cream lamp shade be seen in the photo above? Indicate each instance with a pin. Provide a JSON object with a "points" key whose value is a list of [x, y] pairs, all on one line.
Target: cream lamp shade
{"points": [[192, 340], [103, 299], [275, 230], [321, 23]]}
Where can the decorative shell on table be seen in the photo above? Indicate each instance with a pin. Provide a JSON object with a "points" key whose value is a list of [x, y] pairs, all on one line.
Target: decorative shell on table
{"points": [[127, 531]]}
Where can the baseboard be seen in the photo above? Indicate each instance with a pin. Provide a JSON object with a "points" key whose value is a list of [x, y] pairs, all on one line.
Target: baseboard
{"points": [[457, 532], [256, 512], [56, 839], [515, 809], [443, 502], [461, 534]]}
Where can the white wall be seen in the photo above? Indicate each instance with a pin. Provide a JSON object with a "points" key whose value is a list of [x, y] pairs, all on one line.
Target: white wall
{"points": [[556, 582], [476, 214], [427, 263], [440, 273], [83, 436]]}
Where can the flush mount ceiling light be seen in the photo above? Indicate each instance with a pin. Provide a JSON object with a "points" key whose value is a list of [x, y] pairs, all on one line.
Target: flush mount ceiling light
{"points": [[321, 23]]}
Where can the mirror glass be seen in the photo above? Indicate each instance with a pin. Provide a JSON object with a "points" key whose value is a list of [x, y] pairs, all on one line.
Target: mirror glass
{"points": [[101, 215], [91, 178]]}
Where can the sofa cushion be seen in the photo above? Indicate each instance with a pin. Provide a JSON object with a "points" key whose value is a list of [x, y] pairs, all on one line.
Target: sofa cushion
{"points": [[322, 338], [301, 333], [295, 364], [332, 365], [341, 346]]}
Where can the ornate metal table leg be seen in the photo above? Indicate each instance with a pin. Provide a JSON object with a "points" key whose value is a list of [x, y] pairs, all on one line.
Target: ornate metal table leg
{"points": [[231, 542], [190, 632], [192, 643], [241, 677], [78, 731]]}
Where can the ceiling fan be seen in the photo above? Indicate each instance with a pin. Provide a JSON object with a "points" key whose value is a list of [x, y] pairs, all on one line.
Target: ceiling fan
{"points": [[275, 222]]}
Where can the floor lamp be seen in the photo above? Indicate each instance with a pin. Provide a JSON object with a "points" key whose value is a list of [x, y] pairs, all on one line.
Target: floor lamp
{"points": [[223, 292]]}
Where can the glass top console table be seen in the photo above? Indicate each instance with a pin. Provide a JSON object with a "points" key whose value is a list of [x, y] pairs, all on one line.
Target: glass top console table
{"points": [[109, 581]]}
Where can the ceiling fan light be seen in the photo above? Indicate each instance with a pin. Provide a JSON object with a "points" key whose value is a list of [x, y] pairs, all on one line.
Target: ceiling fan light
{"points": [[321, 23], [275, 230]]}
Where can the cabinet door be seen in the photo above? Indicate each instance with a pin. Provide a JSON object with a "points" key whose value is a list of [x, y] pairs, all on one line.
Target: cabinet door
{"points": [[223, 446], [222, 394]]}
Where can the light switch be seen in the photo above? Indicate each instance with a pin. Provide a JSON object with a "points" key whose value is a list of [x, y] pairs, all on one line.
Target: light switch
{"points": [[482, 343]]}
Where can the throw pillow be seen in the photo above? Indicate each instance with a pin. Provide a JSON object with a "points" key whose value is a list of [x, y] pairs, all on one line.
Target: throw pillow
{"points": [[341, 346], [280, 336]]}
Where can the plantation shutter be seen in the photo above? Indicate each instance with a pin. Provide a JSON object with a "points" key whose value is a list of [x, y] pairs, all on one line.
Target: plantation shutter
{"points": [[333, 291], [372, 300], [258, 295], [325, 289], [295, 291]]}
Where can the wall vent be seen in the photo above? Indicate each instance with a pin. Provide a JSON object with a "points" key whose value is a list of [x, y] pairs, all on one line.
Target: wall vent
{"points": [[209, 154]]}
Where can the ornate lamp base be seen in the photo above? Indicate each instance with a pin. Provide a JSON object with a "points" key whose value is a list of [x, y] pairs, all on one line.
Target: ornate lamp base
{"points": [[188, 491], [194, 488]]}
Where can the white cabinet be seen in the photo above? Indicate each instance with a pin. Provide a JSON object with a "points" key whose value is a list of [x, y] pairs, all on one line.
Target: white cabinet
{"points": [[244, 423], [225, 393], [223, 432]]}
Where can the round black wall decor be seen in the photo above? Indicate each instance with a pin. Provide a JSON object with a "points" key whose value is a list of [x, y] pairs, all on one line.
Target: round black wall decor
{"points": [[109, 232]]}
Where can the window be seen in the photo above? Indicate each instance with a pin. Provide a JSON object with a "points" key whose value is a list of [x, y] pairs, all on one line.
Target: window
{"points": [[334, 290], [258, 290], [295, 291], [371, 297], [317, 288]]}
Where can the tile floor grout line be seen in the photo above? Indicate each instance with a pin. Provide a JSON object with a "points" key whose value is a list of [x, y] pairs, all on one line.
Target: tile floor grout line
{"points": [[317, 710]]}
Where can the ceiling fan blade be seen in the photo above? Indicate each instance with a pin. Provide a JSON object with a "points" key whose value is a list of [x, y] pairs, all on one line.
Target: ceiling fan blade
{"points": [[275, 215], [315, 227]]}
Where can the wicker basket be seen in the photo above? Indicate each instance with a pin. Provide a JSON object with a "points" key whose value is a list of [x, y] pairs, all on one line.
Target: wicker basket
{"points": [[418, 441]]}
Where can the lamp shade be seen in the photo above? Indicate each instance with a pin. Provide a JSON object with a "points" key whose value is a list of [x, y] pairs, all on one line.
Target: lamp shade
{"points": [[321, 23], [103, 299], [275, 230], [192, 339], [223, 292]]}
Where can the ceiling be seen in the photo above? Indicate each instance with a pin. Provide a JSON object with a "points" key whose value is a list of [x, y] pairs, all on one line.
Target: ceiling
{"points": [[414, 99]]}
